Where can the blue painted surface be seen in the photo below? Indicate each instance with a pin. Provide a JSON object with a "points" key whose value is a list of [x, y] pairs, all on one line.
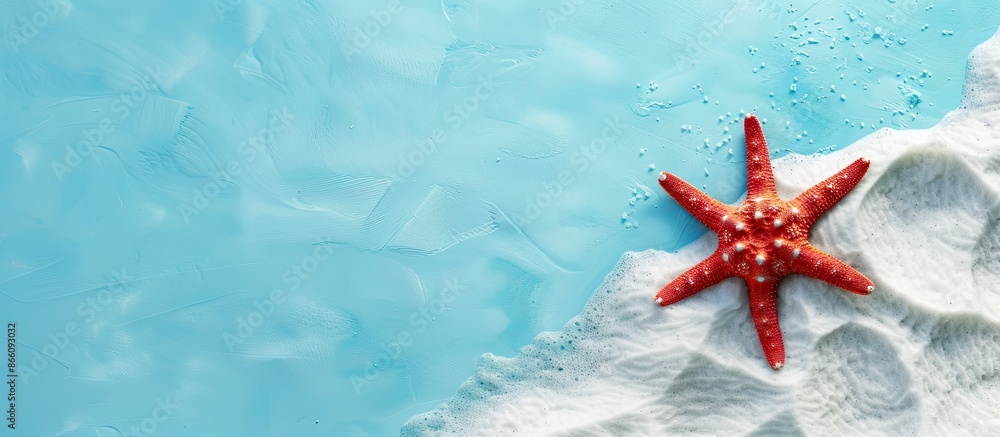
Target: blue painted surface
{"points": [[311, 218]]}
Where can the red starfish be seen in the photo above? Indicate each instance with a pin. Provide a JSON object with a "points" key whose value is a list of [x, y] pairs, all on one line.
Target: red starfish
{"points": [[764, 239]]}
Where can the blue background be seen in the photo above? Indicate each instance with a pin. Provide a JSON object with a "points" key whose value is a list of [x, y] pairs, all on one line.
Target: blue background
{"points": [[311, 218]]}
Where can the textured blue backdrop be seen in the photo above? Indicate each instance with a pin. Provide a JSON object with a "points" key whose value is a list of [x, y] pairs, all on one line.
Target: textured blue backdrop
{"points": [[239, 217]]}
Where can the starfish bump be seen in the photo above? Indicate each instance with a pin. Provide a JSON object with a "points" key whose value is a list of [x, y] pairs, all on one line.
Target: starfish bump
{"points": [[764, 239]]}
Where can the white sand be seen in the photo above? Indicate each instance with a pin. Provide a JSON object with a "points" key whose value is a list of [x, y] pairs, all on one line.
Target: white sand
{"points": [[921, 355]]}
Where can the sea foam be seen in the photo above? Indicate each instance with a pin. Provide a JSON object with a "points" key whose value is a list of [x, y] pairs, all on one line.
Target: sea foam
{"points": [[920, 355]]}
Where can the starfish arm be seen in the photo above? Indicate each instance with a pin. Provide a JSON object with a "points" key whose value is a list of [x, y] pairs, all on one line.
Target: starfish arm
{"points": [[764, 310], [815, 264], [813, 202], [760, 177], [705, 274], [702, 206]]}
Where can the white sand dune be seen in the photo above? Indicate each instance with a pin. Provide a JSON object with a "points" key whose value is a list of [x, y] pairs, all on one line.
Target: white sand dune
{"points": [[920, 356]]}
